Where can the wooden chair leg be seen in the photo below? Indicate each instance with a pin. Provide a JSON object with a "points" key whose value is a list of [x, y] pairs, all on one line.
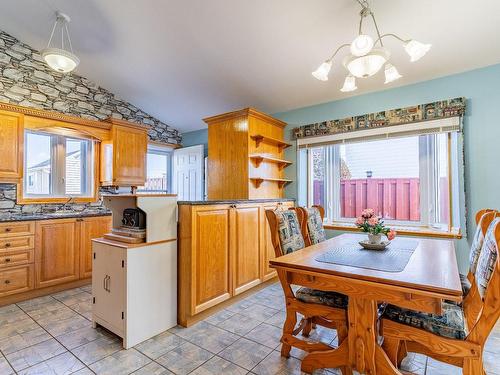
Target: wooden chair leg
{"points": [[473, 366], [391, 347], [290, 322], [402, 353], [307, 327], [342, 335]]}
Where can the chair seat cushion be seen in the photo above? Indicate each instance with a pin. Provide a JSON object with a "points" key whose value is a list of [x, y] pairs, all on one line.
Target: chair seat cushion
{"points": [[450, 324], [465, 284], [332, 299]]}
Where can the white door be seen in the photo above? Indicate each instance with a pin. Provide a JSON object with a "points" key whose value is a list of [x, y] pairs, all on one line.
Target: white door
{"points": [[187, 180]]}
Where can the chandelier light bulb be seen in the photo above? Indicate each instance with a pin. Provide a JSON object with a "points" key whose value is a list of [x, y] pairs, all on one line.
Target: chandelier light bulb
{"points": [[391, 73], [361, 45], [322, 72], [416, 50], [349, 84]]}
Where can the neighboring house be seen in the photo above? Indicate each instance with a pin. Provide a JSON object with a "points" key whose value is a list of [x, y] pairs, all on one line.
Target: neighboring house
{"points": [[38, 175]]}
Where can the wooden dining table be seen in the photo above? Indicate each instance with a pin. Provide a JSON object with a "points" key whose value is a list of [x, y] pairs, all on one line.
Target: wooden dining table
{"points": [[430, 276]]}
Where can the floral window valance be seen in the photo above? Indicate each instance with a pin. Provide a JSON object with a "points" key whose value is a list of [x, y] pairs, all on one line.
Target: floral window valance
{"points": [[423, 112]]}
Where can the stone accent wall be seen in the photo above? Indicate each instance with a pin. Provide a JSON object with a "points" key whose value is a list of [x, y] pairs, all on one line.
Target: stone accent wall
{"points": [[26, 80]]}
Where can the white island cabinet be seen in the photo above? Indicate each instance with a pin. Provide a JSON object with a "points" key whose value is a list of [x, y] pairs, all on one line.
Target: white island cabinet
{"points": [[134, 286]]}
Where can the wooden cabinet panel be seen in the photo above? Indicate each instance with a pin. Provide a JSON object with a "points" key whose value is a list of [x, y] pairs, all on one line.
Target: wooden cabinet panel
{"points": [[17, 228], [9, 244], [129, 148], [57, 255], [16, 280], [16, 258], [245, 225], [11, 144], [267, 249], [210, 272], [91, 227]]}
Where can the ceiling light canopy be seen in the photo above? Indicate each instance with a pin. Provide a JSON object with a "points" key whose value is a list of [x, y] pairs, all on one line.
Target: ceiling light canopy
{"points": [[60, 59], [365, 59]]}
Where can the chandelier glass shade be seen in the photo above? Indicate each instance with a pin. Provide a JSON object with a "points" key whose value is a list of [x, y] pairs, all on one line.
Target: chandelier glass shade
{"points": [[60, 59], [367, 57]]}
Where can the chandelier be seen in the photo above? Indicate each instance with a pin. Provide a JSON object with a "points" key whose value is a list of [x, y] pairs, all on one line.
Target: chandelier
{"points": [[367, 56], [60, 59]]}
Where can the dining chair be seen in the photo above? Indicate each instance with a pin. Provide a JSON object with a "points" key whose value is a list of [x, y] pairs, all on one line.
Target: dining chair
{"points": [[328, 309], [448, 337], [312, 224]]}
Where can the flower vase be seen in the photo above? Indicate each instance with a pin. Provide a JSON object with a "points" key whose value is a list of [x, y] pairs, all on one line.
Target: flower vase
{"points": [[375, 239]]}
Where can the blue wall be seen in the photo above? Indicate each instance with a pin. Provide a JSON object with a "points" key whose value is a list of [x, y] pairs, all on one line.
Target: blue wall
{"points": [[481, 87], [197, 137]]}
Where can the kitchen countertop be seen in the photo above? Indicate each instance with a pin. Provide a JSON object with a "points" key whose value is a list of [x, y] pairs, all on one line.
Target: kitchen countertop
{"points": [[48, 216], [235, 201]]}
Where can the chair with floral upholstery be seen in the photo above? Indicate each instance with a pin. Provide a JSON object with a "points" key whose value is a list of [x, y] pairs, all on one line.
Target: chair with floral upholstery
{"points": [[328, 309], [449, 337], [312, 224]]}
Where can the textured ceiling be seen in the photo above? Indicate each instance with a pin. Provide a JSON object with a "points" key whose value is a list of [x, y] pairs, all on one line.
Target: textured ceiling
{"points": [[182, 60]]}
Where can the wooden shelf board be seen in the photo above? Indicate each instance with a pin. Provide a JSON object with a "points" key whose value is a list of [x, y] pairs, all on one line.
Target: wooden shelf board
{"points": [[259, 180], [258, 138], [260, 158]]}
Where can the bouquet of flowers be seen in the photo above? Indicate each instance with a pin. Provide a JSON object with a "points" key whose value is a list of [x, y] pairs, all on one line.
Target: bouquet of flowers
{"points": [[370, 223]]}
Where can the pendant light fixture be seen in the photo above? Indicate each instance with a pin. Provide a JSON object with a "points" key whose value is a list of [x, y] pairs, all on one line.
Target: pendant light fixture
{"points": [[366, 58], [60, 59]]}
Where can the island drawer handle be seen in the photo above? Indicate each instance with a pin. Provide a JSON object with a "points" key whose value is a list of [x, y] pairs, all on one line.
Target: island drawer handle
{"points": [[7, 260], [8, 229], [7, 281], [7, 244]]}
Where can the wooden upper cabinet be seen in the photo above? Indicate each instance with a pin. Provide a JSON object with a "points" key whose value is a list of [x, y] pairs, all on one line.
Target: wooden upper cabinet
{"points": [[211, 249], [123, 157], [11, 146], [90, 228], [57, 252], [245, 244]]}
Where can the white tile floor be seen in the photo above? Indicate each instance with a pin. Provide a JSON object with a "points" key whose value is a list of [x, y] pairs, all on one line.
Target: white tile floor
{"points": [[53, 335]]}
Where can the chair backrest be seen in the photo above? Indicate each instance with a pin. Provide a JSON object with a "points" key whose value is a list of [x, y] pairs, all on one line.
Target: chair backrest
{"points": [[487, 285], [312, 226], [483, 221], [286, 235]]}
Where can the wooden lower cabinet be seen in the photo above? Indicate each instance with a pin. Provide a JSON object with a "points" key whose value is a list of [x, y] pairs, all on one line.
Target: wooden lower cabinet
{"points": [[56, 257], [91, 227], [46, 254], [224, 250]]}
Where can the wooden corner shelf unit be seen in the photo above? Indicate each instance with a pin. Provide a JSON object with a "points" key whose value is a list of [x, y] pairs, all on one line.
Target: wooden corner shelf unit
{"points": [[246, 155]]}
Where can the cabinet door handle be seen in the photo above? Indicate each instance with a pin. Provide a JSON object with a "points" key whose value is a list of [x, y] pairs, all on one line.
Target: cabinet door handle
{"points": [[7, 244], [8, 229], [7, 260], [104, 282], [7, 281]]}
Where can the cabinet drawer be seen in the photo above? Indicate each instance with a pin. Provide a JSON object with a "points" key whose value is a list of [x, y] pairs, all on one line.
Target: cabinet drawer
{"points": [[12, 229], [16, 279], [16, 258], [9, 244]]}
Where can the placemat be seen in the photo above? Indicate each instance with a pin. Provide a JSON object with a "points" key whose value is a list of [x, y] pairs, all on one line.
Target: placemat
{"points": [[393, 258]]}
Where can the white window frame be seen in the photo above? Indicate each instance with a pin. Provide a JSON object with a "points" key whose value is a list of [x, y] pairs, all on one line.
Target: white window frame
{"points": [[168, 152], [427, 175], [57, 184]]}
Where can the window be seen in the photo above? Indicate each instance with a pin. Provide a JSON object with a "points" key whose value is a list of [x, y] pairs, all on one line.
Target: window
{"points": [[406, 180], [57, 166], [158, 169]]}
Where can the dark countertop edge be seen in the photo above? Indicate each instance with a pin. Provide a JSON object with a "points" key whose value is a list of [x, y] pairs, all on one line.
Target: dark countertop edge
{"points": [[51, 216], [235, 201]]}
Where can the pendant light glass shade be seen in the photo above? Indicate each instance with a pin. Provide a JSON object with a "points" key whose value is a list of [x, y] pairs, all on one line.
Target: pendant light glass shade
{"points": [[322, 72], [361, 45], [349, 84], [391, 73], [416, 50], [368, 65], [60, 60]]}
